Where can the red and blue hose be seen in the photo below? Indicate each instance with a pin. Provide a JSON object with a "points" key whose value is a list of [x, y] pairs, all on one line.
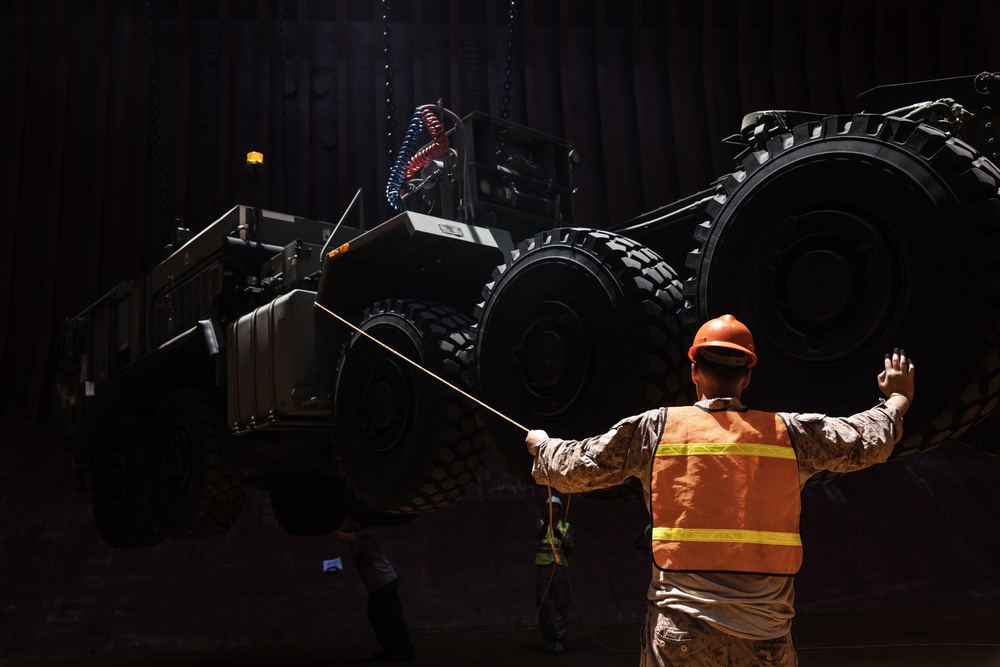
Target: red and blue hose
{"points": [[408, 160]]}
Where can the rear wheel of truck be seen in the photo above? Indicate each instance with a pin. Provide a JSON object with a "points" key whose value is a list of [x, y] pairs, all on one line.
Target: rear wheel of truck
{"points": [[843, 238], [408, 443], [985, 436], [578, 329], [118, 485], [190, 493]]}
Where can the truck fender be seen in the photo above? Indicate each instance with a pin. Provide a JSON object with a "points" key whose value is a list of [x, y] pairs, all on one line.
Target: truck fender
{"points": [[204, 331]]}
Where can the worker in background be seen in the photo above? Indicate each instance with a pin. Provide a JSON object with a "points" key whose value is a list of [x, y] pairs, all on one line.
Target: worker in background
{"points": [[723, 484], [385, 611], [555, 541]]}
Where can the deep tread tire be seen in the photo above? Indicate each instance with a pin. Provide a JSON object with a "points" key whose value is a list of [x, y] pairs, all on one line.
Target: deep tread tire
{"points": [[407, 442], [118, 486], [849, 236], [578, 329], [190, 493], [985, 436]]}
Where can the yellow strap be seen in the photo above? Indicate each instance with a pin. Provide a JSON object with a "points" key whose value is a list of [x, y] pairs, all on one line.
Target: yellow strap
{"points": [[726, 449], [722, 535]]}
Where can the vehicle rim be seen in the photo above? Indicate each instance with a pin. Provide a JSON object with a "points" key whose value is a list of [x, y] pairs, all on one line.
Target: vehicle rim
{"points": [[191, 494], [177, 462], [407, 442], [386, 411]]}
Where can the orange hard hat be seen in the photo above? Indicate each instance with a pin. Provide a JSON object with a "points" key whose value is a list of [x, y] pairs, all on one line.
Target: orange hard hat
{"points": [[725, 331]]}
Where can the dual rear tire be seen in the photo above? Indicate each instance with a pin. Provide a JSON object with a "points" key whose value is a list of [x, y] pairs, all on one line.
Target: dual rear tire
{"points": [[578, 329], [164, 478]]}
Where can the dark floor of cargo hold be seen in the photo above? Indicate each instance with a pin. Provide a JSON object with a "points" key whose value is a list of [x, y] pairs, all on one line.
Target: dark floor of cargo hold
{"points": [[901, 567], [916, 638]]}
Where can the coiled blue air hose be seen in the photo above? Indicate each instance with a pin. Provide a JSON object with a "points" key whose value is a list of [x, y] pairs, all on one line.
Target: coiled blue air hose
{"points": [[406, 151]]}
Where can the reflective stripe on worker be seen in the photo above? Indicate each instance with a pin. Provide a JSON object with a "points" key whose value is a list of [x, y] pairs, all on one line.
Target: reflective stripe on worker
{"points": [[725, 493], [546, 554]]}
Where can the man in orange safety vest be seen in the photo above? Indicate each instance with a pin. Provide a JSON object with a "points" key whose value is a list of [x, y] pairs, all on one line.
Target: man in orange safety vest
{"points": [[723, 485]]}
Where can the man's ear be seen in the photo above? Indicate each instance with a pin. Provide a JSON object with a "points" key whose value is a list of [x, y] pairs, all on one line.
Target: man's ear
{"points": [[746, 379]]}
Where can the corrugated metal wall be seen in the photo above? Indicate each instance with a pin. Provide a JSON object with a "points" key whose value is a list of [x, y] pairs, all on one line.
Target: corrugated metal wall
{"points": [[101, 143], [107, 141]]}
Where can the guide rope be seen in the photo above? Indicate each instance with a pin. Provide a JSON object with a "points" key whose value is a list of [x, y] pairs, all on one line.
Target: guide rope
{"points": [[418, 366]]}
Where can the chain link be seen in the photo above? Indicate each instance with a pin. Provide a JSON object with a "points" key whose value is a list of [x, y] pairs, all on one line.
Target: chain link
{"points": [[284, 120], [390, 86], [509, 69], [154, 110]]}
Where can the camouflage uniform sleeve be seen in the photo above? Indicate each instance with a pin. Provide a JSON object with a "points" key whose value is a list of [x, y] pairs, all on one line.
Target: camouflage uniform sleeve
{"points": [[843, 444], [602, 461]]}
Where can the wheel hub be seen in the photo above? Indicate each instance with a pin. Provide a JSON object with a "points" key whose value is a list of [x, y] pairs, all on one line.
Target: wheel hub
{"points": [[116, 481], [385, 407], [176, 462], [546, 358], [555, 357], [820, 284], [828, 278], [380, 402]]}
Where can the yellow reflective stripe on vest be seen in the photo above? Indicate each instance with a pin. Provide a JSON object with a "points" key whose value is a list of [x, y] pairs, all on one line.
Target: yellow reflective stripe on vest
{"points": [[723, 535], [546, 554], [727, 449]]}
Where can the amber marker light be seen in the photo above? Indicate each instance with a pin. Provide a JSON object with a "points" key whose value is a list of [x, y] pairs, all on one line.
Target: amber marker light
{"points": [[338, 251]]}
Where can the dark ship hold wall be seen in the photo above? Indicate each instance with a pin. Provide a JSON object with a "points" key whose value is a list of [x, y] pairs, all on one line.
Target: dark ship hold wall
{"points": [[216, 212]]}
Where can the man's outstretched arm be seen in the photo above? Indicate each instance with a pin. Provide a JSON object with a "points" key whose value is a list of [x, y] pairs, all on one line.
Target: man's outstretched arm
{"points": [[598, 462], [845, 444]]}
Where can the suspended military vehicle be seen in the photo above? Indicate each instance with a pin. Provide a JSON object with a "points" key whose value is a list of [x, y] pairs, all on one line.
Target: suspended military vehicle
{"points": [[268, 350]]}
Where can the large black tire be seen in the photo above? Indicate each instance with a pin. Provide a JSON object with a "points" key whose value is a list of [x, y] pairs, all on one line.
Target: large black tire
{"points": [[578, 329], [190, 493], [408, 443], [849, 236], [118, 486], [985, 436]]}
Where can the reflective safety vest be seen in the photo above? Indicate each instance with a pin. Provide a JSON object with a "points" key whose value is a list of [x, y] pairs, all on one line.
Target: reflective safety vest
{"points": [[544, 555], [725, 493]]}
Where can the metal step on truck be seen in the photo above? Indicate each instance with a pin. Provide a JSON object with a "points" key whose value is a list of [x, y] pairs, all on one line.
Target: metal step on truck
{"points": [[267, 350]]}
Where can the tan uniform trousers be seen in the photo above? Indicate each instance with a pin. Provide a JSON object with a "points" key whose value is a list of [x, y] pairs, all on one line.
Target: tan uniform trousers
{"points": [[672, 638]]}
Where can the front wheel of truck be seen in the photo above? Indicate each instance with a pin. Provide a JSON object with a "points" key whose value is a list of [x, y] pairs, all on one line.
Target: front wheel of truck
{"points": [[408, 442]]}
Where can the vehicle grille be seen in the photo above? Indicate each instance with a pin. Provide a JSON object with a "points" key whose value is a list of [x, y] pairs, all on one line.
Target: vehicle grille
{"points": [[179, 308]]}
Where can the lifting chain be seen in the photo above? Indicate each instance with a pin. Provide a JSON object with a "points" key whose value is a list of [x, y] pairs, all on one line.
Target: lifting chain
{"points": [[154, 110], [508, 69], [390, 89], [284, 121]]}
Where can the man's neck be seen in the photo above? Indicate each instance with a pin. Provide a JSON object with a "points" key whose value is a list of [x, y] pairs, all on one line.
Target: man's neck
{"points": [[708, 393]]}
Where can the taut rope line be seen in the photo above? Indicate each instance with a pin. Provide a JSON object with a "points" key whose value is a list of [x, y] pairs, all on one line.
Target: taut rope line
{"points": [[416, 365]]}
